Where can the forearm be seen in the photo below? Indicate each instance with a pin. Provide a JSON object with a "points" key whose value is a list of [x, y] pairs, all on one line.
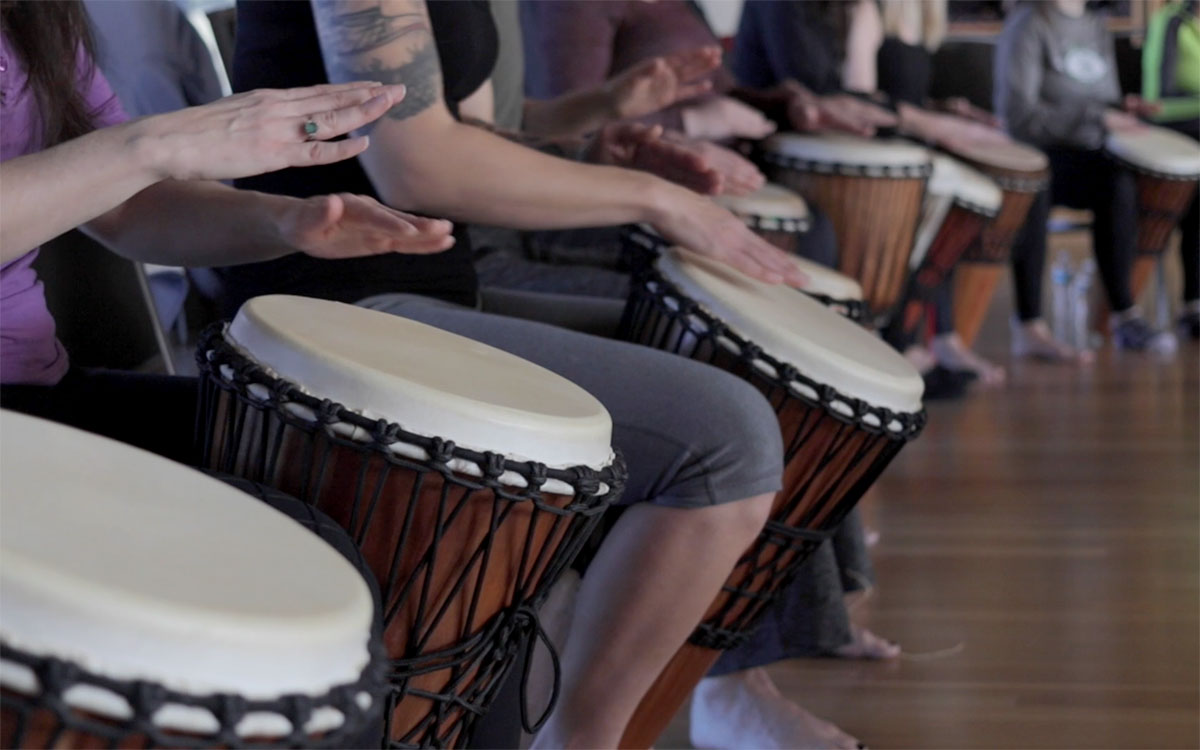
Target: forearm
{"points": [[568, 115], [1177, 108], [47, 193], [468, 174], [195, 224]]}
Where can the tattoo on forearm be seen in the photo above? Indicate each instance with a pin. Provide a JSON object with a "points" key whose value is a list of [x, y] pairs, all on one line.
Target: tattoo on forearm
{"points": [[387, 42]]}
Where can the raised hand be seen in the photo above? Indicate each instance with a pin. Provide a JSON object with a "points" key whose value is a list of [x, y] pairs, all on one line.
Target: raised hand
{"points": [[843, 112], [262, 131], [660, 82], [702, 226], [642, 147], [718, 118], [346, 226], [738, 175]]}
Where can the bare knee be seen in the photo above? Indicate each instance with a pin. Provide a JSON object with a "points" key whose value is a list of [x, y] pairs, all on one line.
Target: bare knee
{"points": [[735, 523]]}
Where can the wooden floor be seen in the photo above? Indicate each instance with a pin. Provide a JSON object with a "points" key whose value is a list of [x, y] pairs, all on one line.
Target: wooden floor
{"points": [[1039, 562]]}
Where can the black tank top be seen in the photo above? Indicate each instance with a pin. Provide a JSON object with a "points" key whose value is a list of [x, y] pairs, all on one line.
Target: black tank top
{"points": [[905, 71], [277, 47]]}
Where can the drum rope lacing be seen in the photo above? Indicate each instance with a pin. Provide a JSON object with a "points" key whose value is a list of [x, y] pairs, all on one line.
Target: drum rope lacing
{"points": [[814, 393], [760, 223], [895, 171], [56, 678], [658, 315], [644, 241], [477, 661]]}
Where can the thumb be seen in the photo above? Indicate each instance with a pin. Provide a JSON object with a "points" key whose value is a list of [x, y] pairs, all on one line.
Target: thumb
{"points": [[322, 211]]}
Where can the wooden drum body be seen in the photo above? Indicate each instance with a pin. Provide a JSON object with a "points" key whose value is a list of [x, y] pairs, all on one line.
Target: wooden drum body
{"points": [[836, 444], [1021, 173], [872, 192], [1167, 167], [464, 541], [959, 203], [144, 604], [781, 217]]}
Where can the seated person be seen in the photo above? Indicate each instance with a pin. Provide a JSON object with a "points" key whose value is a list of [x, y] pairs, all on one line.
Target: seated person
{"points": [[1171, 79], [1056, 87], [146, 190], [702, 447]]}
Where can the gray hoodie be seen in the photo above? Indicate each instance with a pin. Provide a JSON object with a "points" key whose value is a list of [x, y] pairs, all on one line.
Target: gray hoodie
{"points": [[1054, 77]]}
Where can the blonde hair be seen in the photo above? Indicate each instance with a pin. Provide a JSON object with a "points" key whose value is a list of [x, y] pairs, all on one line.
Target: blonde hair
{"points": [[916, 21]]}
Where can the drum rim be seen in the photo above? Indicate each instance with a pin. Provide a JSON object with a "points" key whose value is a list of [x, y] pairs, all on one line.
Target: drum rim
{"points": [[1141, 169], [788, 376], [893, 171], [230, 711], [215, 353]]}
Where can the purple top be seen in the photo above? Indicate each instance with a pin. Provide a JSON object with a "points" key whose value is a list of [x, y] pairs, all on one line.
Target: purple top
{"points": [[29, 352]]}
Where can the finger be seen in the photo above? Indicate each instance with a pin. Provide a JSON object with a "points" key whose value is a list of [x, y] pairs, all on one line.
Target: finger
{"points": [[750, 266], [694, 63], [332, 123], [316, 153], [339, 100], [306, 92], [690, 91]]}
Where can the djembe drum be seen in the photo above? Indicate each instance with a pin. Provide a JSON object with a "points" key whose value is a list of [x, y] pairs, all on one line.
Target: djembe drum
{"points": [[871, 190], [1167, 167], [1021, 172], [144, 604], [959, 202], [847, 403], [468, 477], [782, 218]]}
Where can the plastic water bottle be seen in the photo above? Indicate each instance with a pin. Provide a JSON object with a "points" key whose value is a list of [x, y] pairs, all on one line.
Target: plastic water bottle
{"points": [[1060, 282], [1081, 306]]}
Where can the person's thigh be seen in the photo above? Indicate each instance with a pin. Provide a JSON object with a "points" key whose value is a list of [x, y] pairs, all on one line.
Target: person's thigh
{"points": [[692, 435], [153, 412]]}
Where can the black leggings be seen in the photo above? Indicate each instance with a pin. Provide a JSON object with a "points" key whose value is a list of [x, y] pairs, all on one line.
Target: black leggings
{"points": [[153, 412], [1086, 180]]}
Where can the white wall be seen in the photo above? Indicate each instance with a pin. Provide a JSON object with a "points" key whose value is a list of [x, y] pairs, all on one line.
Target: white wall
{"points": [[722, 14]]}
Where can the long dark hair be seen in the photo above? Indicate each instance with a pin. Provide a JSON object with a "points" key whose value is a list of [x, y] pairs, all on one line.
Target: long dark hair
{"points": [[49, 36]]}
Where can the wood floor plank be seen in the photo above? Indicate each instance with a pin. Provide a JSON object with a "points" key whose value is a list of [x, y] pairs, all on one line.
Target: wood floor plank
{"points": [[1040, 563]]}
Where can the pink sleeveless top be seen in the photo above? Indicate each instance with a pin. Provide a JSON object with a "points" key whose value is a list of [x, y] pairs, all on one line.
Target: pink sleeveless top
{"points": [[29, 352]]}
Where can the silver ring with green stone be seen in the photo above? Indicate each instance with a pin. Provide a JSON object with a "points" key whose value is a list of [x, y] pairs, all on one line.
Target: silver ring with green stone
{"points": [[310, 129]]}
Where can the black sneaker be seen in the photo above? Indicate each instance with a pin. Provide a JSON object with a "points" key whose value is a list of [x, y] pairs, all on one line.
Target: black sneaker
{"points": [[942, 384], [1135, 334], [1189, 324]]}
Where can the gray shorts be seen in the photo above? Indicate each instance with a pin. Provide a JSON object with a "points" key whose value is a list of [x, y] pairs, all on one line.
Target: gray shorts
{"points": [[691, 434]]}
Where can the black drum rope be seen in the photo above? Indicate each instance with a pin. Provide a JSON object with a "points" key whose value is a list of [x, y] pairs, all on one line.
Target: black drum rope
{"points": [[658, 315], [267, 410]]}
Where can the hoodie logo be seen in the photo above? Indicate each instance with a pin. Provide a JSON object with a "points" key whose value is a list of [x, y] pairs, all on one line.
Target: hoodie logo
{"points": [[1084, 65]]}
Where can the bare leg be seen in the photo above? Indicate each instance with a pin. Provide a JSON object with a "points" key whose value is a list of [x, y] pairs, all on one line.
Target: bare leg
{"points": [[644, 593]]}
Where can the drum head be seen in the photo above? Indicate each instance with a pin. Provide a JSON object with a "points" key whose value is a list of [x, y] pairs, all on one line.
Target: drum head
{"points": [[1158, 151], [137, 568], [768, 202], [1006, 155], [827, 282], [953, 179], [428, 381], [798, 330], [849, 151]]}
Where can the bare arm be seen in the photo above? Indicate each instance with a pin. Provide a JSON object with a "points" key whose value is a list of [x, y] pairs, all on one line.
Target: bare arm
{"points": [[118, 182], [422, 159]]}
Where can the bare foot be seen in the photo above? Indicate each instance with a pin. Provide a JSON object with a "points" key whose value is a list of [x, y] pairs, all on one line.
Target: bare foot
{"points": [[1032, 338], [746, 710], [866, 645], [954, 354], [920, 358]]}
